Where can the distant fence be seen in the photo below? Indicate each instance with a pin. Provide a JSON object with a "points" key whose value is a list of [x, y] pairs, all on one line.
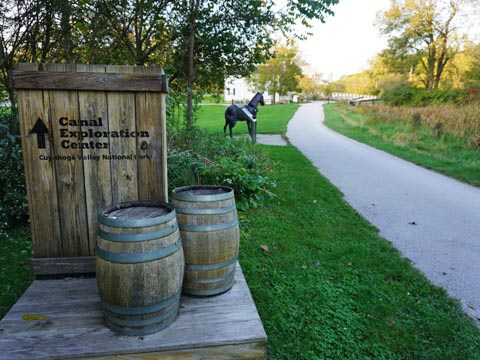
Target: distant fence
{"points": [[267, 101], [354, 99], [347, 96]]}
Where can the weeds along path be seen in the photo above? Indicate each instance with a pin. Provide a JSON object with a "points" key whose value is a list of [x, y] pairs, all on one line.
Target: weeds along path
{"points": [[432, 219]]}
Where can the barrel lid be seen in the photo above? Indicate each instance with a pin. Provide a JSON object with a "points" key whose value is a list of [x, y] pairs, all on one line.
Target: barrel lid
{"points": [[136, 214], [202, 193]]}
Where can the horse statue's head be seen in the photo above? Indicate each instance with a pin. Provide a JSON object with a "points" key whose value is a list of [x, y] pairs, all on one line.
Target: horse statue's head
{"points": [[257, 99]]}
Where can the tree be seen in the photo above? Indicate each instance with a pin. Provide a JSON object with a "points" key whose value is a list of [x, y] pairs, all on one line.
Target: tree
{"points": [[423, 32], [359, 83], [217, 38], [472, 75], [134, 31], [17, 18], [311, 85], [281, 74]]}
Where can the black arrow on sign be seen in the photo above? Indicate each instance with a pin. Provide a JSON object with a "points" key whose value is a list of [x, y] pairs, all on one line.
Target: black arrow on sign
{"points": [[40, 129]]}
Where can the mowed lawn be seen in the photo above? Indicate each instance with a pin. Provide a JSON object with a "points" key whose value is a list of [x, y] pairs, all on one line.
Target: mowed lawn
{"points": [[327, 286], [271, 119]]}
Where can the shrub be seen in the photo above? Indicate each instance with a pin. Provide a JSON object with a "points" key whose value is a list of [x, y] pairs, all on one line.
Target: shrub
{"points": [[13, 198], [401, 93], [216, 160]]}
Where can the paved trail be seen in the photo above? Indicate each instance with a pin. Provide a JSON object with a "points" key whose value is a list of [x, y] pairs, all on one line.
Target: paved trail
{"points": [[432, 219]]}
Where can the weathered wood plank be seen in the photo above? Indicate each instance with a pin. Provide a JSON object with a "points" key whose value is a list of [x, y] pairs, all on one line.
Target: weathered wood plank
{"points": [[253, 351], [69, 176], [33, 106], [97, 170], [121, 117], [152, 177], [89, 81], [61, 265], [227, 324], [93, 341]]}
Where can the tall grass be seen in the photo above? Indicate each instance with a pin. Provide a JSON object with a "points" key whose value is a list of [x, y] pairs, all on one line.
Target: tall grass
{"points": [[459, 122], [443, 138]]}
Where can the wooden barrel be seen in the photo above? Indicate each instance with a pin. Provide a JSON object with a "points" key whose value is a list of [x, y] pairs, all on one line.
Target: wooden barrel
{"points": [[140, 264], [207, 218]]}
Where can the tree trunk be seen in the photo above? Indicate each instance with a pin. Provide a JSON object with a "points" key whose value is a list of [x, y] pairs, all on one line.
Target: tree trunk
{"points": [[191, 69], [66, 27], [139, 55], [431, 66]]}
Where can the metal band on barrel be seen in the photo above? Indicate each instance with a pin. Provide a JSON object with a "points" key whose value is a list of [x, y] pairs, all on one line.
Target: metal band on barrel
{"points": [[230, 275], [205, 211], [137, 237], [142, 331], [209, 291], [142, 322], [215, 227], [183, 193], [139, 257], [140, 310], [211, 266]]}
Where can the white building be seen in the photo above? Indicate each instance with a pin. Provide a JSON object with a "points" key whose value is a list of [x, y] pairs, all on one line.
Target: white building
{"points": [[239, 91]]}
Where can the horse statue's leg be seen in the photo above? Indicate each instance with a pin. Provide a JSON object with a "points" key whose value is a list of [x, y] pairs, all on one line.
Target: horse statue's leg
{"points": [[249, 127], [254, 132]]}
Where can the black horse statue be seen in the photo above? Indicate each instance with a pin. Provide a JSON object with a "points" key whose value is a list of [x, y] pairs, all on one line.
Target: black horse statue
{"points": [[246, 113]]}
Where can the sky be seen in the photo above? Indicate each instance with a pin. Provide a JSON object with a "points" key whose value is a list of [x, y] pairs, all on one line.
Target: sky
{"points": [[345, 43]]}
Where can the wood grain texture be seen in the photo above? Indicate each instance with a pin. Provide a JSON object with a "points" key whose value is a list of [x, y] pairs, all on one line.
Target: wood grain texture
{"points": [[152, 175], [97, 173], [65, 265], [121, 116], [40, 175], [89, 81], [70, 179], [254, 351], [74, 327]]}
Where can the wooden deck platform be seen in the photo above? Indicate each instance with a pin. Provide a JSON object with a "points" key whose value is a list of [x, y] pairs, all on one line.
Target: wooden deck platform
{"points": [[71, 326]]}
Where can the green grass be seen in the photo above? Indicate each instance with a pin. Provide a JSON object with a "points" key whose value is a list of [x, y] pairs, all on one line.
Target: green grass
{"points": [[271, 119], [444, 154], [329, 287], [15, 251]]}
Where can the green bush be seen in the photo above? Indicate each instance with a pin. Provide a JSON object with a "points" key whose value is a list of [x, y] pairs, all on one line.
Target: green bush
{"points": [[401, 93], [13, 198], [216, 160]]}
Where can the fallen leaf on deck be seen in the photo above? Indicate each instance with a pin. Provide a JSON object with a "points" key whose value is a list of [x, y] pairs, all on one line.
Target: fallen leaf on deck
{"points": [[412, 223], [470, 305], [33, 317]]}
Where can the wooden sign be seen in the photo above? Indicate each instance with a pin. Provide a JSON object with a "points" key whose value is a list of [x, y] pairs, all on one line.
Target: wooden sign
{"points": [[92, 136]]}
